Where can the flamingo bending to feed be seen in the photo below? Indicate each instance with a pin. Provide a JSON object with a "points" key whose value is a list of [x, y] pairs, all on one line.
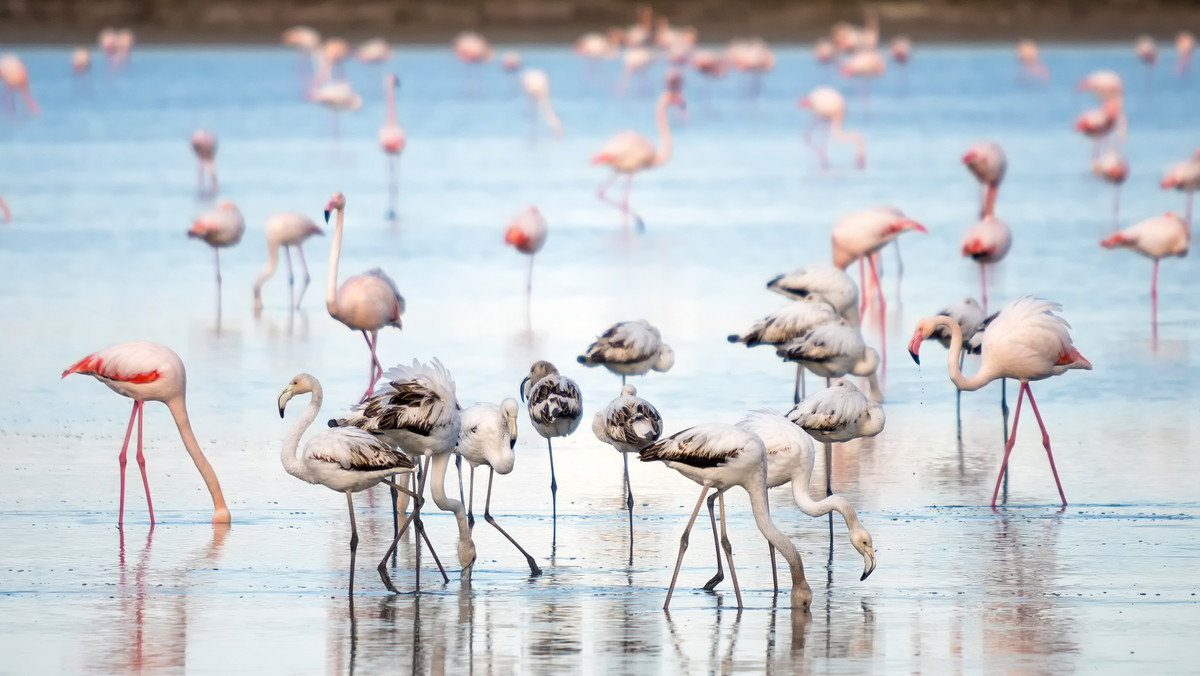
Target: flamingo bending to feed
{"points": [[15, 78], [145, 371], [526, 232], [537, 87], [286, 229], [1110, 166], [487, 437], [631, 348], [987, 243], [366, 302], [391, 137], [753, 57], [1025, 341], [1185, 177], [790, 322], [719, 456], [416, 410], [829, 110], [833, 350], [629, 152], [343, 459], [628, 424], [1154, 238], [219, 228], [204, 144], [790, 458], [987, 163], [555, 408]]}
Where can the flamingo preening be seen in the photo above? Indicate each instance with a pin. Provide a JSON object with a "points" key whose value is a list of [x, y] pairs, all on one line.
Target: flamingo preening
{"points": [[987, 243], [526, 232], [287, 229]]}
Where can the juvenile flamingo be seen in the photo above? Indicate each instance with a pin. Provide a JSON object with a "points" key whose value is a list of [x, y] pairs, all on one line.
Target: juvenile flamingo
{"points": [[987, 163], [631, 348], [833, 350], [719, 456], [970, 318], [204, 144], [820, 283], [628, 424], [829, 111], [145, 371], [1110, 166], [790, 322], [555, 408], [1154, 238], [366, 302], [629, 152], [375, 50], [987, 243], [15, 78], [1025, 341], [391, 138], [286, 229]]}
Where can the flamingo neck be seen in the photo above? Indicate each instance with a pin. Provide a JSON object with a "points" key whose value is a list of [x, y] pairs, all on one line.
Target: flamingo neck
{"points": [[801, 593], [272, 256], [982, 376], [179, 412], [989, 200], [390, 93], [437, 476], [335, 251], [664, 132], [291, 464], [846, 136]]}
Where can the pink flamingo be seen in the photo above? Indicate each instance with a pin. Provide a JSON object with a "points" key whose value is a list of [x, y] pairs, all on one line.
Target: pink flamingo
{"points": [[1025, 341], [1185, 177], [287, 229], [375, 50], [865, 64], [986, 242], [1147, 53], [307, 42], [1031, 64], [144, 372], [1113, 168], [901, 49], [753, 57], [1185, 42], [366, 302], [81, 61], [824, 52], [472, 49], [536, 86], [1154, 238], [219, 228], [391, 138], [510, 61], [15, 78], [987, 163], [526, 232], [829, 110], [628, 152], [4, 210], [204, 144]]}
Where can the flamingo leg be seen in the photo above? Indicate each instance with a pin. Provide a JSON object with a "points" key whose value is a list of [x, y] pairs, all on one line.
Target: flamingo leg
{"points": [[304, 269], [1046, 442], [122, 460], [1116, 205], [553, 497], [862, 289], [1012, 439], [712, 519], [774, 570], [983, 284], [287, 258], [798, 394], [1154, 296], [487, 516], [391, 186], [683, 544], [638, 224], [899, 266], [200, 192], [376, 369], [829, 486], [629, 504], [471, 503], [1187, 217], [882, 312], [212, 169], [217, 258], [353, 540], [725, 544], [141, 461]]}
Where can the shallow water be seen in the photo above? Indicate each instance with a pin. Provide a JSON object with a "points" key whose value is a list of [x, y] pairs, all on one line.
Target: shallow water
{"points": [[102, 188]]}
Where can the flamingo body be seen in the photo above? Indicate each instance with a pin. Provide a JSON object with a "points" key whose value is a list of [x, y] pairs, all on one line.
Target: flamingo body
{"points": [[630, 348]]}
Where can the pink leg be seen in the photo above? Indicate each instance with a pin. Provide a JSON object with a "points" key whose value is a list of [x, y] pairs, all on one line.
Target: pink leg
{"points": [[1046, 443], [983, 284], [1154, 296], [1012, 439], [376, 369], [882, 312], [200, 177], [1116, 205], [141, 461], [121, 460]]}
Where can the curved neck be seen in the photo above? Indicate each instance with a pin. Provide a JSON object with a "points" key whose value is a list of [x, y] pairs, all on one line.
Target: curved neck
{"points": [[762, 518], [437, 477], [551, 117], [976, 381], [291, 463], [272, 256], [847, 136], [335, 250], [179, 413], [815, 508], [664, 132], [390, 93]]}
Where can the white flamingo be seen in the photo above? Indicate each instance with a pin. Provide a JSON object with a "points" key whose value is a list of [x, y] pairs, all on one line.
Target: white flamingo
{"points": [[536, 86], [286, 229]]}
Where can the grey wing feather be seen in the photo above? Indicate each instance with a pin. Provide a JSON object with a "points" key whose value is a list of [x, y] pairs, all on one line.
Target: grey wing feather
{"points": [[554, 397]]}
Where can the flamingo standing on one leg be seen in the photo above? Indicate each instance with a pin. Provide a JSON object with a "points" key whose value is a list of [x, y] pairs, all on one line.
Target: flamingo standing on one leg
{"points": [[220, 228], [391, 138], [204, 144], [1024, 341], [629, 152], [1154, 238], [987, 163], [630, 349], [489, 433], [987, 243], [527, 233], [1185, 177], [366, 302], [145, 371], [286, 229], [15, 77], [555, 408], [1113, 168], [336, 95], [472, 49], [628, 424], [829, 110], [718, 456], [536, 86]]}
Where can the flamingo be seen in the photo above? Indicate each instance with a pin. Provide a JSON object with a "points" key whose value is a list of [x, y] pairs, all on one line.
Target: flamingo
{"points": [[1099, 124], [219, 228], [307, 42], [638, 34], [555, 408], [848, 37], [287, 229], [790, 322], [1110, 166], [628, 424], [987, 163], [867, 64], [713, 66], [753, 57], [594, 46], [537, 87], [375, 50], [719, 456], [526, 232], [334, 51], [987, 243], [632, 348], [510, 61], [204, 144], [145, 371], [969, 316], [81, 61], [634, 61], [391, 137], [337, 96], [1025, 341], [1185, 177], [471, 47], [1031, 64], [1185, 42], [487, 437], [343, 459], [416, 409], [15, 78], [829, 110], [901, 49], [1147, 53], [366, 302], [832, 350], [824, 51], [1154, 238], [820, 283]]}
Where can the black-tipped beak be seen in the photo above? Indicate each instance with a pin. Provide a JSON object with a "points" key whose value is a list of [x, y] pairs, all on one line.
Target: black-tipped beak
{"points": [[326, 215], [280, 411], [581, 359], [522, 389], [916, 357]]}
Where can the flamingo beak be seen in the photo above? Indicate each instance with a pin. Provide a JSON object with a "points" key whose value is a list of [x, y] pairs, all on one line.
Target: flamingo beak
{"points": [[284, 397], [869, 559], [914, 349], [327, 214], [522, 388], [912, 225]]}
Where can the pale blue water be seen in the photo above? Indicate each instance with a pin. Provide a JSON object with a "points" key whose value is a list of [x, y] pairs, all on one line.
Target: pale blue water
{"points": [[102, 190]]}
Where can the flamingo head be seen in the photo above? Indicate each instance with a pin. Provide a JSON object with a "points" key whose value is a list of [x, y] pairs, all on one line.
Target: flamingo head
{"points": [[925, 329], [1114, 240], [1169, 181], [301, 384], [902, 223], [674, 98], [861, 540], [336, 201], [970, 157]]}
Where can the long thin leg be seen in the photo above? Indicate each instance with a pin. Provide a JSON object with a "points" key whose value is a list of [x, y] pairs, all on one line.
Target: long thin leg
{"points": [[683, 545], [1046, 443], [1012, 439], [287, 257], [899, 266], [737, 592], [774, 569], [712, 519], [415, 518], [1116, 205], [376, 369], [629, 504], [1154, 296], [217, 258], [958, 397], [470, 497], [487, 516], [983, 285], [829, 486], [304, 268], [141, 461], [391, 186], [122, 460], [353, 540], [862, 289], [882, 312], [553, 497], [796, 394]]}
